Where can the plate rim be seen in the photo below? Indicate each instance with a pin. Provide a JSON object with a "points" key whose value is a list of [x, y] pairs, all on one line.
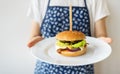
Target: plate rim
{"points": [[43, 60]]}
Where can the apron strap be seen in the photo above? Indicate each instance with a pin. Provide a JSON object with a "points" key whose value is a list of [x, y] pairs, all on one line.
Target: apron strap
{"points": [[46, 10], [48, 3], [85, 3]]}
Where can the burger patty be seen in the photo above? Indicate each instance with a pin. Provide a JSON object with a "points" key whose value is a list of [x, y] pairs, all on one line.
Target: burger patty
{"points": [[71, 50], [71, 42]]}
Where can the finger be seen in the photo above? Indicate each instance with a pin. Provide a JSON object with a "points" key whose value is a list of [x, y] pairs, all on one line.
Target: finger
{"points": [[109, 40], [106, 39], [34, 40]]}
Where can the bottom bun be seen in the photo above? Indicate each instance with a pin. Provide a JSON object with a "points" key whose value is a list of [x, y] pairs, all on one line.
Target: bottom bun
{"points": [[73, 54]]}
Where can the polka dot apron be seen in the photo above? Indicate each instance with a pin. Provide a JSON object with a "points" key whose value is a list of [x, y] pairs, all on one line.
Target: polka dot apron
{"points": [[56, 20]]}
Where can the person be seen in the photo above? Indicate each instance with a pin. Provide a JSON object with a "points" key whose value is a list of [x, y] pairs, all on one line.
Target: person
{"points": [[50, 17]]}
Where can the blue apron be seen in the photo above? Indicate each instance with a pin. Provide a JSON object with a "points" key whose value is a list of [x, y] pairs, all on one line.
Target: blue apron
{"points": [[56, 20]]}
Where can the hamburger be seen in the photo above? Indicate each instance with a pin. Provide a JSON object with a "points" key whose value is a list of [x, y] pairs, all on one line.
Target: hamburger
{"points": [[71, 43]]}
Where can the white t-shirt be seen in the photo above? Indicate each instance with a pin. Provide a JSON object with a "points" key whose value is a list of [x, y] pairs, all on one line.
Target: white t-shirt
{"points": [[97, 9]]}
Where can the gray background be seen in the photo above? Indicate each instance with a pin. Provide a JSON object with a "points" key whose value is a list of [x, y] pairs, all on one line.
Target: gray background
{"points": [[15, 57]]}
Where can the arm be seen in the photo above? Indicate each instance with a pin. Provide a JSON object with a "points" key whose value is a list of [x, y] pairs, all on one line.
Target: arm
{"points": [[100, 30], [35, 29], [35, 34]]}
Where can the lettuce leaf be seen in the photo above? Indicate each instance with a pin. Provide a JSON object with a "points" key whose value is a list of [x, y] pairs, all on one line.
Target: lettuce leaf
{"points": [[79, 44], [70, 45], [59, 43]]}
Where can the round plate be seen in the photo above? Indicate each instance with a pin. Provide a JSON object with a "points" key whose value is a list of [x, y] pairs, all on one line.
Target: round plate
{"points": [[97, 50]]}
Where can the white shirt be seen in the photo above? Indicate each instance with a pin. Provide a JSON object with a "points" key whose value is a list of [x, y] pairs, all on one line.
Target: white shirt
{"points": [[97, 9]]}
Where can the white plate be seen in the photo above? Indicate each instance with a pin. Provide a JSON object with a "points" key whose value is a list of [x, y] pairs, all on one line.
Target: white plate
{"points": [[97, 51]]}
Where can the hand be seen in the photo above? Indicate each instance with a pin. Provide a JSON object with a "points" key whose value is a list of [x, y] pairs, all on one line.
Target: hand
{"points": [[34, 40], [106, 39]]}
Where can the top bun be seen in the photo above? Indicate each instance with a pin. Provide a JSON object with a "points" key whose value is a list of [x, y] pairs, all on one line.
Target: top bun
{"points": [[70, 36]]}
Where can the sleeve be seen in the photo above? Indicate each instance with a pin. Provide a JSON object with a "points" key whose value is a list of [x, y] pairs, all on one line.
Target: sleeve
{"points": [[101, 10], [34, 11]]}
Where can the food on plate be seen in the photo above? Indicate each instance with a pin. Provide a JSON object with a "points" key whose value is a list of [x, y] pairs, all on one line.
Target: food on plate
{"points": [[71, 43]]}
